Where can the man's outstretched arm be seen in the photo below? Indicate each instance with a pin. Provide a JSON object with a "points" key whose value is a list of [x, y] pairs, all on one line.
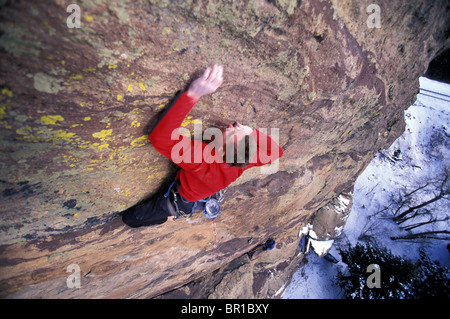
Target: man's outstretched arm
{"points": [[169, 124]]}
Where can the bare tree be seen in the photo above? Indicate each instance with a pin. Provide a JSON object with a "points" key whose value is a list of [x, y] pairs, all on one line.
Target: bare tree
{"points": [[427, 235], [413, 211]]}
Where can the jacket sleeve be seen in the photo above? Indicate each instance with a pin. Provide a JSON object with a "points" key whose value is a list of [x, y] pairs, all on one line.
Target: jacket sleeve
{"points": [[267, 149], [166, 137]]}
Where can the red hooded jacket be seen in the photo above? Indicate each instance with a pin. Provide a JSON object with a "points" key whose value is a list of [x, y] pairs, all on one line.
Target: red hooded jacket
{"points": [[204, 176]]}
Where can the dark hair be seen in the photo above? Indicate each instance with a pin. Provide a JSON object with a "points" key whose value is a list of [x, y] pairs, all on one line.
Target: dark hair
{"points": [[242, 159]]}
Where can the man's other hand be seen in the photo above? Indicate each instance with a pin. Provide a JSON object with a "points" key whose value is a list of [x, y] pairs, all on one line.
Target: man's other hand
{"points": [[208, 83]]}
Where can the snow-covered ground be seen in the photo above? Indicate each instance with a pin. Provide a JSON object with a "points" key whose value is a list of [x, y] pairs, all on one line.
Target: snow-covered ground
{"points": [[418, 157]]}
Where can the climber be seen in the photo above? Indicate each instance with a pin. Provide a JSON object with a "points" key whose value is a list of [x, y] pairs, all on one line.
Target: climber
{"points": [[206, 168]]}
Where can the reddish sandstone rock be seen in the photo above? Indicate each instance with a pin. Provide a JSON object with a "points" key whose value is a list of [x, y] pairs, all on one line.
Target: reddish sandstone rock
{"points": [[77, 105]]}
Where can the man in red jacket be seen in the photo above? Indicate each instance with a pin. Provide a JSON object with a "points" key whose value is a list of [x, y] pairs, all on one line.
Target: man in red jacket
{"points": [[206, 168]]}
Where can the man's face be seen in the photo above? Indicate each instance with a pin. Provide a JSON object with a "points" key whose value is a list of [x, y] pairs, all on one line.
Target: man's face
{"points": [[235, 132]]}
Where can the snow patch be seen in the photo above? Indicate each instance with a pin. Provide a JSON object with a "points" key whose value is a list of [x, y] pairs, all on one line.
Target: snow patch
{"points": [[422, 152]]}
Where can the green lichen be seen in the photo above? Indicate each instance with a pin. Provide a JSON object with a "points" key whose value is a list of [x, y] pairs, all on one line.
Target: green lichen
{"points": [[311, 96], [151, 83], [286, 93], [121, 11], [161, 3], [178, 46], [88, 4], [287, 5], [368, 101], [222, 12], [292, 75], [18, 41], [302, 73], [44, 82], [107, 56]]}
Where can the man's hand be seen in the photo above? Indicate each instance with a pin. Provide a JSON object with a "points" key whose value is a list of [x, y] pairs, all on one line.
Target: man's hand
{"points": [[208, 83], [247, 129]]}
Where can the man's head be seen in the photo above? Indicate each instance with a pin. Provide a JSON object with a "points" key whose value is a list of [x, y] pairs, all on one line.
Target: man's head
{"points": [[238, 146]]}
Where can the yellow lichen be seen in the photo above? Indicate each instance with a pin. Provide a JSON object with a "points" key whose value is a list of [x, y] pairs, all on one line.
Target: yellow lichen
{"points": [[2, 112], [63, 135], [7, 92], [140, 141], [24, 130], [100, 147], [103, 134], [135, 123], [51, 119], [188, 121], [76, 77], [142, 86], [47, 25]]}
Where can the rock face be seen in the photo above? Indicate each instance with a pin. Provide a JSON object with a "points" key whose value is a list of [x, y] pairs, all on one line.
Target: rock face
{"points": [[77, 105]]}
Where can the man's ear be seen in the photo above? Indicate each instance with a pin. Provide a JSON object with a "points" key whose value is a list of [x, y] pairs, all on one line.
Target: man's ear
{"points": [[216, 136]]}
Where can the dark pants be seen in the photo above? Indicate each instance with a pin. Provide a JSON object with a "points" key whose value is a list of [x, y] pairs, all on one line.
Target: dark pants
{"points": [[155, 211]]}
